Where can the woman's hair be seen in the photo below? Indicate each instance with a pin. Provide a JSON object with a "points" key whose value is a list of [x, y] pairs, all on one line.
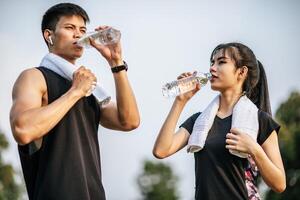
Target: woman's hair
{"points": [[255, 85]]}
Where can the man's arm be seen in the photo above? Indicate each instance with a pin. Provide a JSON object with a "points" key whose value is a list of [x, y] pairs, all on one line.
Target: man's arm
{"points": [[124, 114], [29, 119]]}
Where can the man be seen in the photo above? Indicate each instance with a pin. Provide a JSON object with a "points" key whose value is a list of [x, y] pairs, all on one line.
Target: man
{"points": [[53, 121]]}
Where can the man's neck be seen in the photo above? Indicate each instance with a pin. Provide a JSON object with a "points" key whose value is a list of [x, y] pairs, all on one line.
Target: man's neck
{"points": [[71, 60]]}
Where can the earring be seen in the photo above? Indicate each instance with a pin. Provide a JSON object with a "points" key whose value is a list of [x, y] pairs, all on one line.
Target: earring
{"points": [[50, 40]]}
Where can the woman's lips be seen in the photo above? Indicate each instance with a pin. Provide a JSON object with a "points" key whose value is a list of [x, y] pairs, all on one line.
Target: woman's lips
{"points": [[213, 77]]}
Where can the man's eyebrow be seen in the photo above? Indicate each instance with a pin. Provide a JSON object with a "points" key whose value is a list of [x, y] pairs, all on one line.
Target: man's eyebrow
{"points": [[69, 24]]}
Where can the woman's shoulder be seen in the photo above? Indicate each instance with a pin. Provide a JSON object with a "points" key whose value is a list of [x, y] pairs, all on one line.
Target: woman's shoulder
{"points": [[195, 115], [188, 124], [263, 114], [266, 126], [265, 118]]}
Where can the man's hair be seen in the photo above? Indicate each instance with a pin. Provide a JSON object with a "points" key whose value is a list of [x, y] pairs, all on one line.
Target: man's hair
{"points": [[53, 14]]}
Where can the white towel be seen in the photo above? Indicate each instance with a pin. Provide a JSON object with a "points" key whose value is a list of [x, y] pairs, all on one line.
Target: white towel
{"points": [[66, 69], [244, 118]]}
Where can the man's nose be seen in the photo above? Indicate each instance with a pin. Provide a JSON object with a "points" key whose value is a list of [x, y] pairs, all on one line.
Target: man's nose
{"points": [[77, 33]]}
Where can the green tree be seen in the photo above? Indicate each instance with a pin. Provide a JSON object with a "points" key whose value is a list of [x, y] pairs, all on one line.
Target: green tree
{"points": [[9, 189], [288, 115], [157, 182]]}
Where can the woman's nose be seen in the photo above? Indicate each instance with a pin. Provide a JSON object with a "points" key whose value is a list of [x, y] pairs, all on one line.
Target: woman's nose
{"points": [[213, 68]]}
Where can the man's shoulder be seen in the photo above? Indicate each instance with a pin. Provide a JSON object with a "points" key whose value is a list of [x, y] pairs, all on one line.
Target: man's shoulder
{"points": [[31, 77], [32, 73]]}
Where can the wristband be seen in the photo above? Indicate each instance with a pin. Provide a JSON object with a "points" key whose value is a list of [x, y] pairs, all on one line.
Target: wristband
{"points": [[119, 68]]}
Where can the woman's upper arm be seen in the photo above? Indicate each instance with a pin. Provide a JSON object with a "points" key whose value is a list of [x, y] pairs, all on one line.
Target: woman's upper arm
{"points": [[271, 148], [182, 135], [180, 140]]}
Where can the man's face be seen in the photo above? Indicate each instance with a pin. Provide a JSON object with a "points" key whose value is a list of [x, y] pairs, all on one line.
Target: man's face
{"points": [[68, 30]]}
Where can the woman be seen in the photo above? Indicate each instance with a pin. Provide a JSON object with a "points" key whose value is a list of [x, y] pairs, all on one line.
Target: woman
{"points": [[220, 174]]}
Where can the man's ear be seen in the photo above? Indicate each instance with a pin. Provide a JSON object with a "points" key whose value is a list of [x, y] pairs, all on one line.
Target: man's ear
{"points": [[47, 35]]}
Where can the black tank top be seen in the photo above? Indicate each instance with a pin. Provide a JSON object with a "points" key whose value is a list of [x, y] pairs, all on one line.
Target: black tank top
{"points": [[67, 166]]}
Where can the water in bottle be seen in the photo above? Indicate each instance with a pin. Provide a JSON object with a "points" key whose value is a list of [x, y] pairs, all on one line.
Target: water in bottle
{"points": [[105, 37], [186, 84]]}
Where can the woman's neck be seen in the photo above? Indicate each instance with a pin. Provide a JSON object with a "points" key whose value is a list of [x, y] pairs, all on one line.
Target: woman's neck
{"points": [[227, 101]]}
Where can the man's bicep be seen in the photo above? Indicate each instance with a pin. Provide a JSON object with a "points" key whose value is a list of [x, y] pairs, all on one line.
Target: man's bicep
{"points": [[109, 116], [27, 91]]}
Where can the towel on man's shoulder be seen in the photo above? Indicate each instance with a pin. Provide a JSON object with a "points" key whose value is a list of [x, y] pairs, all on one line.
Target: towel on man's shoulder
{"points": [[66, 69], [244, 118]]}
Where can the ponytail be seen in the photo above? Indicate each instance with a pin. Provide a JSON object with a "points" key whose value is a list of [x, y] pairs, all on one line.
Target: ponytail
{"points": [[259, 95]]}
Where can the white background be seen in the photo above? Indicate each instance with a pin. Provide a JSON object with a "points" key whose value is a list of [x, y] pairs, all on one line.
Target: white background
{"points": [[160, 40]]}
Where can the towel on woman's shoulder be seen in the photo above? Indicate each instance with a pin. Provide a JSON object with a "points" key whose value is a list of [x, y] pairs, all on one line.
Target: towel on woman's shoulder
{"points": [[244, 118], [66, 69]]}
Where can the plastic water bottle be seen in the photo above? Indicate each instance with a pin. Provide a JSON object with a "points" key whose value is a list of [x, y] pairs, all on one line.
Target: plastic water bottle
{"points": [[186, 84], [105, 37]]}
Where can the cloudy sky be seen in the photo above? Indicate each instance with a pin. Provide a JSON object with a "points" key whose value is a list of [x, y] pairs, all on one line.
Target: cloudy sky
{"points": [[160, 39]]}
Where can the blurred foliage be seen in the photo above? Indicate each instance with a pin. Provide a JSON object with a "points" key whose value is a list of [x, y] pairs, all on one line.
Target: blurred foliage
{"points": [[9, 189], [288, 116], [157, 182]]}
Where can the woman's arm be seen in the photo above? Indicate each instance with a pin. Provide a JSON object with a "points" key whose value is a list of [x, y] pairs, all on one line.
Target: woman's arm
{"points": [[267, 157], [268, 160], [168, 142]]}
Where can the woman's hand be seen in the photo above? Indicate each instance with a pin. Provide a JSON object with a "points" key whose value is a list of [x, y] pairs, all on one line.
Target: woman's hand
{"points": [[188, 95], [266, 157], [239, 141]]}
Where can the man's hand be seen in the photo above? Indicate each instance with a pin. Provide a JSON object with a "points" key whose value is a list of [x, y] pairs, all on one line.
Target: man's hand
{"points": [[112, 52], [83, 81]]}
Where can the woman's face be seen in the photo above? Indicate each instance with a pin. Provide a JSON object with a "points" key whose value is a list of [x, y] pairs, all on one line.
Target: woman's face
{"points": [[224, 72]]}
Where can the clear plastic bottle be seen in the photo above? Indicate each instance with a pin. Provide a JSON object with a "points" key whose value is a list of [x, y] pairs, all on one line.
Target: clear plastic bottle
{"points": [[105, 37], [186, 84]]}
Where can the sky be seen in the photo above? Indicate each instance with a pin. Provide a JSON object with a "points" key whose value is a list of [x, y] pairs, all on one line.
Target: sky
{"points": [[160, 40]]}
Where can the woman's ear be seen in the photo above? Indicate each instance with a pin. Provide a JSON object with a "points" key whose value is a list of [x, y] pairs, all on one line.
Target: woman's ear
{"points": [[243, 71]]}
